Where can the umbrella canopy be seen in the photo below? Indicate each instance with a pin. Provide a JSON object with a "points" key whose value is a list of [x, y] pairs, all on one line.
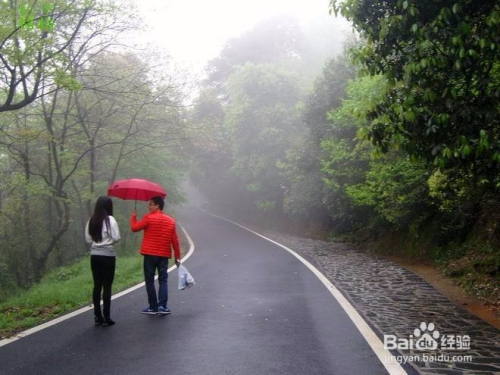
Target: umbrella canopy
{"points": [[136, 189]]}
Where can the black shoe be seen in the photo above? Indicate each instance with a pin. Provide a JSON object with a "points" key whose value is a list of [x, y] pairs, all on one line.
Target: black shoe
{"points": [[149, 311], [108, 322], [98, 321], [163, 310]]}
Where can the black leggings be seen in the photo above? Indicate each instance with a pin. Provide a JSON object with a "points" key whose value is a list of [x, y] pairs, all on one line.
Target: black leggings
{"points": [[103, 272]]}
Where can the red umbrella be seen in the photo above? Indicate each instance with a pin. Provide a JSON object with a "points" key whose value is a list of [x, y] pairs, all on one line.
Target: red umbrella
{"points": [[136, 189]]}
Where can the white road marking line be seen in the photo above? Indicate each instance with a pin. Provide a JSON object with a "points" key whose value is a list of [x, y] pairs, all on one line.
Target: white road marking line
{"points": [[87, 308], [392, 366]]}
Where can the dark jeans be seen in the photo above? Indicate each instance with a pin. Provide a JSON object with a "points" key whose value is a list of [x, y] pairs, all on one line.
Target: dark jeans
{"points": [[151, 263], [103, 272]]}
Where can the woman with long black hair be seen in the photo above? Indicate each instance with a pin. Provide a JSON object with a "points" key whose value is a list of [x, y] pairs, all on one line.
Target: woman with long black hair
{"points": [[102, 232]]}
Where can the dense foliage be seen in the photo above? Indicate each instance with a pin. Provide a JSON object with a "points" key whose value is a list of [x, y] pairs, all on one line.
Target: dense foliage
{"points": [[441, 60]]}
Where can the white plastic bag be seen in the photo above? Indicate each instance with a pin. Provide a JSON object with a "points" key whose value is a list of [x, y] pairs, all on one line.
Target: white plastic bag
{"points": [[185, 279]]}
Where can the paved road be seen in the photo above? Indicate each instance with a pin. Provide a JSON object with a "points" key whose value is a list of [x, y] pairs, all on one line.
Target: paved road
{"points": [[254, 310]]}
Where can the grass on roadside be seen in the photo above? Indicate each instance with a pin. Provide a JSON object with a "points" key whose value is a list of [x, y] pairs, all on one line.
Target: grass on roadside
{"points": [[63, 290]]}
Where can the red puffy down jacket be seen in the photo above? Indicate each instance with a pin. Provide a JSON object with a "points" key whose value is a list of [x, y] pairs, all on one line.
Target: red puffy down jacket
{"points": [[160, 234]]}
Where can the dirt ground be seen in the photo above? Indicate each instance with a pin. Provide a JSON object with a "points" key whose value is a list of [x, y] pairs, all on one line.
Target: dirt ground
{"points": [[453, 292]]}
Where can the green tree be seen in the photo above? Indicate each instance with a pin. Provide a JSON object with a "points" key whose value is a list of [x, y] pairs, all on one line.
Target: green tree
{"points": [[441, 59], [263, 121], [277, 40], [33, 37], [211, 148], [305, 190], [345, 157], [396, 189]]}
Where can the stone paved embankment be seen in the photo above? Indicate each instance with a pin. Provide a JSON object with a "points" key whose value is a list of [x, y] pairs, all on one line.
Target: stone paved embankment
{"points": [[396, 301]]}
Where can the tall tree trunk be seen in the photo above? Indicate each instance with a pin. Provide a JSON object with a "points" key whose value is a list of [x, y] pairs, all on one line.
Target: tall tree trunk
{"points": [[28, 229], [50, 204], [92, 174], [83, 217], [56, 236]]}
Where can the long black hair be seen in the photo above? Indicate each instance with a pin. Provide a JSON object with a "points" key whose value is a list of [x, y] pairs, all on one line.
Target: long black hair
{"points": [[102, 211]]}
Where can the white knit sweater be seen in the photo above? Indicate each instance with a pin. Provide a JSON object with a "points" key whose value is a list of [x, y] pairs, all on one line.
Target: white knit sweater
{"points": [[105, 247]]}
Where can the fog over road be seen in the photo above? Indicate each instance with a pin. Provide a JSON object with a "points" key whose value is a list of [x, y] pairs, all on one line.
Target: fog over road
{"points": [[255, 309]]}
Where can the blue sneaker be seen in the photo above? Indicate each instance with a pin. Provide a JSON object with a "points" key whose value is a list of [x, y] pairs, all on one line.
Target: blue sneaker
{"points": [[164, 310], [149, 311]]}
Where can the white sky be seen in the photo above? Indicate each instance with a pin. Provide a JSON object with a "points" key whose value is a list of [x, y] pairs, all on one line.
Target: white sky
{"points": [[194, 31]]}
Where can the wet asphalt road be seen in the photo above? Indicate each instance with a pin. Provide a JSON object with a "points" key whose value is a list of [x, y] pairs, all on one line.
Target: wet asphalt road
{"points": [[255, 309]]}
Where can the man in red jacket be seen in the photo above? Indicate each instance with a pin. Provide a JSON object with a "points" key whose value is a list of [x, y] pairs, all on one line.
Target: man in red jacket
{"points": [[160, 236]]}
